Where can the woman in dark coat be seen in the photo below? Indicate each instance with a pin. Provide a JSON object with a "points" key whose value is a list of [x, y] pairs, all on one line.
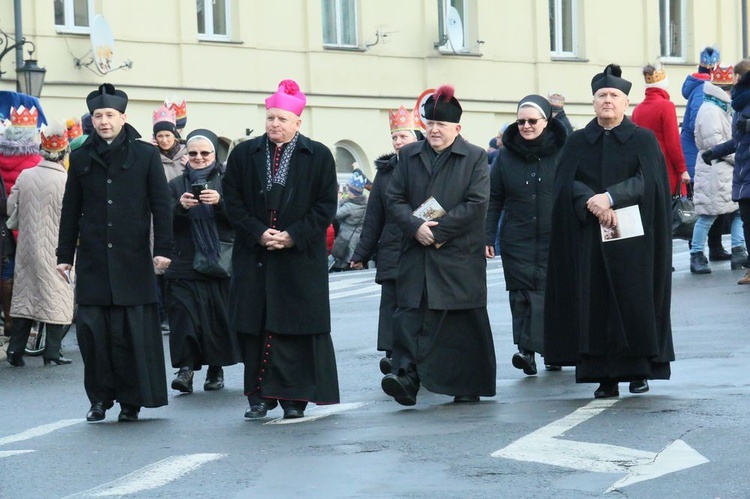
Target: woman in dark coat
{"points": [[381, 232], [521, 183], [196, 301]]}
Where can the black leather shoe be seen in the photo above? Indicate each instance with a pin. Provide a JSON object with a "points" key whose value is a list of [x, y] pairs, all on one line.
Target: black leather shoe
{"points": [[525, 361], [15, 359], [386, 366], [552, 367], [293, 413], [401, 388], [640, 386], [128, 413], [259, 410], [214, 379], [718, 254], [60, 361], [98, 410], [606, 390], [466, 399], [183, 382]]}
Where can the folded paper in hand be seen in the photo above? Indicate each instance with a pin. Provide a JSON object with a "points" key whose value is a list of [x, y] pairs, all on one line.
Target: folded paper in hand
{"points": [[629, 224], [429, 210]]}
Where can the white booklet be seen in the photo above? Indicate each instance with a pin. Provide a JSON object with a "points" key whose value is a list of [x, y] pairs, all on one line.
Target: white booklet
{"points": [[429, 210], [629, 224]]}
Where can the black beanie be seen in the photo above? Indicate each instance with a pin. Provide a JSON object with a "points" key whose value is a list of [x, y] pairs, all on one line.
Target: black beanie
{"points": [[165, 126]]}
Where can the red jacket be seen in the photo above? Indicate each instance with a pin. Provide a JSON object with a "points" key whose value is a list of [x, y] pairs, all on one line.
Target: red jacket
{"points": [[12, 166], [658, 114]]}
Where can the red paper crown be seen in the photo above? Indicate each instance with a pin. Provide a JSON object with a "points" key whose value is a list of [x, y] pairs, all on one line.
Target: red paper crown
{"points": [[403, 119], [56, 142], [722, 75], [180, 109], [74, 128], [23, 117]]}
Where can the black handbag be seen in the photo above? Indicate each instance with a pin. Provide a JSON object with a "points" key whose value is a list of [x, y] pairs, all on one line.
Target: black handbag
{"points": [[683, 214], [221, 268]]}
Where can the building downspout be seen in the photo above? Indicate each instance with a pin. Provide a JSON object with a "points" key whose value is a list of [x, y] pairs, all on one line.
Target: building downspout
{"points": [[17, 20]]}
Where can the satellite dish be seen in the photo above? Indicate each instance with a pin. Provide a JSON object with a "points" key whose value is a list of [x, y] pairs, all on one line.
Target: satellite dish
{"points": [[102, 44], [455, 30], [420, 105]]}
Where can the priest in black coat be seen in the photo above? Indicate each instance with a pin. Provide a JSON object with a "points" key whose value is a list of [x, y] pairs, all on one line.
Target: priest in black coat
{"points": [[115, 188], [607, 308]]}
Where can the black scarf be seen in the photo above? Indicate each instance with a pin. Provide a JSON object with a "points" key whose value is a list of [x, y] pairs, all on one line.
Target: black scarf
{"points": [[114, 153], [172, 151], [202, 222]]}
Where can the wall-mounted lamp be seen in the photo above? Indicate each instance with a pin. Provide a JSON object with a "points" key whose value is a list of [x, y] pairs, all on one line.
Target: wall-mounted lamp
{"points": [[29, 77]]}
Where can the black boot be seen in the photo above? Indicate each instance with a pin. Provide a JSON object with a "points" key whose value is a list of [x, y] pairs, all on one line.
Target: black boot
{"points": [[524, 359], [699, 264], [718, 254], [214, 378], [184, 380], [739, 257]]}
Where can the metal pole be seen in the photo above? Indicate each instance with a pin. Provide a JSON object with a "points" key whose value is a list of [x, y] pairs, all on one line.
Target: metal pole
{"points": [[19, 32], [744, 29]]}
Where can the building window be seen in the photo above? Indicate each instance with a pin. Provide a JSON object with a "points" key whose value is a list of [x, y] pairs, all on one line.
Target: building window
{"points": [[340, 23], [672, 27], [74, 15], [562, 28], [213, 19], [457, 26]]}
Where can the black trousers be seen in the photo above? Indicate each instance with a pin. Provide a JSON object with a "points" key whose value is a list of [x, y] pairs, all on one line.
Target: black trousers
{"points": [[745, 216], [22, 330]]}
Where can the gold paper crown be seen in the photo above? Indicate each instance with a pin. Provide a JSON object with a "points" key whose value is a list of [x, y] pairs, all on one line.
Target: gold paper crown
{"points": [[403, 119], [74, 128], [656, 76], [54, 137], [23, 117], [722, 75]]}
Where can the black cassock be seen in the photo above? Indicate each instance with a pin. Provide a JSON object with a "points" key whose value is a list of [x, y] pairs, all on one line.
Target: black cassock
{"points": [[607, 308]]}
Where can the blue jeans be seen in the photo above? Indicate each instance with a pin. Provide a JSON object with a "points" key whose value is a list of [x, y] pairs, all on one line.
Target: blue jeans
{"points": [[704, 223]]}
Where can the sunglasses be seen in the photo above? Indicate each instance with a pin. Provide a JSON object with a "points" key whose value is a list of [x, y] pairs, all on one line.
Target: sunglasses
{"points": [[532, 121], [204, 154]]}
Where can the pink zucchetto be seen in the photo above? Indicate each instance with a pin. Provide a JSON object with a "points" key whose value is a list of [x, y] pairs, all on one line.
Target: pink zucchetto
{"points": [[288, 97]]}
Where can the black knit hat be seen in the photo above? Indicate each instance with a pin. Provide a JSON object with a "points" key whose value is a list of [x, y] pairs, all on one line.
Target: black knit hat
{"points": [[611, 77], [165, 126], [443, 106], [107, 97]]}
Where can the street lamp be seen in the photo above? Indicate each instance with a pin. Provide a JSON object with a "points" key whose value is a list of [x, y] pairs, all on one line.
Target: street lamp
{"points": [[29, 77]]}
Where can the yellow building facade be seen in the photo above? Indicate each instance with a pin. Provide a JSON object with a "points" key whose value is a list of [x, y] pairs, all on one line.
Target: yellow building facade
{"points": [[356, 59]]}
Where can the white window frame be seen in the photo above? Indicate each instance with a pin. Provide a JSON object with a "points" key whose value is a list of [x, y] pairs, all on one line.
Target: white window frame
{"points": [[339, 26], [208, 18], [560, 29], [69, 14], [445, 47], [665, 29]]}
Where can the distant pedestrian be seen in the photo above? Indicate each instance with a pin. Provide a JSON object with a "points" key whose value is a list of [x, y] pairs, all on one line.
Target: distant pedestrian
{"points": [[351, 217]]}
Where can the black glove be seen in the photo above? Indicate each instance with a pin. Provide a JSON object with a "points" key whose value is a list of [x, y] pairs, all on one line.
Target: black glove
{"points": [[742, 124], [707, 156]]}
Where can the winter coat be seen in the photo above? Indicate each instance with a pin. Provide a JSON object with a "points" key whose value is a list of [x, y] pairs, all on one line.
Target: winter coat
{"points": [[453, 276], [283, 291], [173, 167], [658, 114], [39, 293], [183, 249], [740, 143], [351, 216], [380, 234], [692, 90], [521, 182], [109, 208], [713, 183], [12, 166]]}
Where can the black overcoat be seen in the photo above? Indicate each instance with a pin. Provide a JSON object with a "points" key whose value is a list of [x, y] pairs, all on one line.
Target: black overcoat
{"points": [[521, 181], [380, 234], [454, 276], [610, 300], [107, 211], [283, 291]]}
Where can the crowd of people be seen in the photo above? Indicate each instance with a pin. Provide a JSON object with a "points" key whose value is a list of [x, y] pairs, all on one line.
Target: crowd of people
{"points": [[145, 234]]}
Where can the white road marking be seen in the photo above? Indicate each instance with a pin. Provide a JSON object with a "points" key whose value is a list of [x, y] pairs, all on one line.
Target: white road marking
{"points": [[39, 431], [9, 453], [372, 289], [319, 412], [544, 446], [151, 476]]}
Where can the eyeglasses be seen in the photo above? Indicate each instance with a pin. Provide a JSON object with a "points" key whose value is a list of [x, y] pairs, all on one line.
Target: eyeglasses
{"points": [[532, 121], [204, 154]]}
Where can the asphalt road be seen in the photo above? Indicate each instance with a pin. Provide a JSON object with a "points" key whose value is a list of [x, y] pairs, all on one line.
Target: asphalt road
{"points": [[540, 437]]}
